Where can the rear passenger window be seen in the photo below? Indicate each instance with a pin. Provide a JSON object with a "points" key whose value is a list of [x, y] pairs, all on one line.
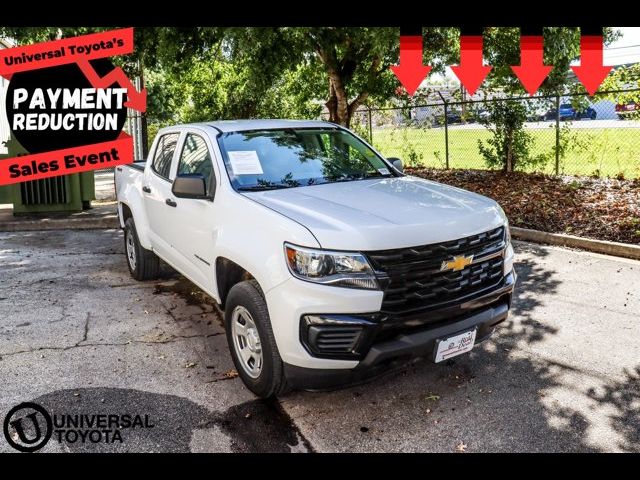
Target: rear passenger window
{"points": [[195, 158], [164, 154]]}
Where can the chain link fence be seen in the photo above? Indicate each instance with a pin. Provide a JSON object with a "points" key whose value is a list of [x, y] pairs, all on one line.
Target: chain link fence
{"points": [[565, 134]]}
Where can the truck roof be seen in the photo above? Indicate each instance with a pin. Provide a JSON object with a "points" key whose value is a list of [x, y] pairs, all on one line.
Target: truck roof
{"points": [[270, 124]]}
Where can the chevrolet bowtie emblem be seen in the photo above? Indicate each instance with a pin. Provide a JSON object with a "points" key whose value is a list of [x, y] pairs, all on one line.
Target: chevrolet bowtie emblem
{"points": [[457, 264]]}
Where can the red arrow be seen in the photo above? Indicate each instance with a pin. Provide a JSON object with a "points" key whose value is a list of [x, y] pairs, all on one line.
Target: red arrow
{"points": [[591, 72], [471, 72], [410, 71], [137, 100], [532, 70]]}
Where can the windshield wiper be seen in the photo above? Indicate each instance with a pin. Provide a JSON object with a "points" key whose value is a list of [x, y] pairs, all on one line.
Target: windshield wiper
{"points": [[260, 188]]}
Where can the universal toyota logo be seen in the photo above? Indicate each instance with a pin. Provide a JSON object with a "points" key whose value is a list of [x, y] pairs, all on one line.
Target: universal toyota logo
{"points": [[27, 427]]}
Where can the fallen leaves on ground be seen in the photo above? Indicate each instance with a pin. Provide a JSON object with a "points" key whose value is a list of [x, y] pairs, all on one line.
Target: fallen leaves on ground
{"points": [[461, 447], [230, 374], [433, 397], [600, 208]]}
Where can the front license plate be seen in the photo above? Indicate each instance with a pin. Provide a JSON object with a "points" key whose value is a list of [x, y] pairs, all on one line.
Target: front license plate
{"points": [[452, 346]]}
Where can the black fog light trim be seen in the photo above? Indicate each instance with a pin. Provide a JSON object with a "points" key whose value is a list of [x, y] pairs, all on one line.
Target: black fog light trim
{"points": [[340, 337]]}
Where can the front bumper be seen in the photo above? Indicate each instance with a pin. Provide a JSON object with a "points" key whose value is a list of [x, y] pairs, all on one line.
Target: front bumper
{"points": [[383, 356], [394, 341]]}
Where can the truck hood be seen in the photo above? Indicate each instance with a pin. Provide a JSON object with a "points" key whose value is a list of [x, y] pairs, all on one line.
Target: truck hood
{"points": [[388, 213]]}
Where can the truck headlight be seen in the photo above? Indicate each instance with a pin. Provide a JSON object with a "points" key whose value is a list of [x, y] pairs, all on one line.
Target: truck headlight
{"points": [[339, 269]]}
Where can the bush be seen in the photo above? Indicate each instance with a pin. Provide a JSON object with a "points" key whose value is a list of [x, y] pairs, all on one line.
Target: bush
{"points": [[509, 148]]}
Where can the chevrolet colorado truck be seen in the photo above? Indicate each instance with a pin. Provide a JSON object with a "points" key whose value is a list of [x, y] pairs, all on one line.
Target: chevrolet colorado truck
{"points": [[329, 262]]}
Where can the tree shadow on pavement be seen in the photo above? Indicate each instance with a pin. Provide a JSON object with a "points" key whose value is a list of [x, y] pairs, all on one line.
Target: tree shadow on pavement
{"points": [[533, 283], [624, 397], [490, 400], [166, 423]]}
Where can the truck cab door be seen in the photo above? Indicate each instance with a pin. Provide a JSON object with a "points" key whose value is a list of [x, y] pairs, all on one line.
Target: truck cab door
{"points": [[194, 221], [156, 192]]}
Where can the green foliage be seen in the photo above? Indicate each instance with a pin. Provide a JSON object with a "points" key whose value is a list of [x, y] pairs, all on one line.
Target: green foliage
{"points": [[410, 155], [570, 142], [215, 87], [201, 73], [601, 151], [510, 137], [625, 78], [361, 125], [510, 145], [561, 47], [437, 154]]}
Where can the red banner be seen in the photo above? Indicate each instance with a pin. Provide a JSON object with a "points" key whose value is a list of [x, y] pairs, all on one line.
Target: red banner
{"points": [[67, 161], [66, 50]]}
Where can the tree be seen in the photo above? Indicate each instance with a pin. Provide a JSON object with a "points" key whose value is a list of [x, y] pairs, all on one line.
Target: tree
{"points": [[356, 63], [199, 73], [625, 78], [353, 62], [345, 67], [509, 145]]}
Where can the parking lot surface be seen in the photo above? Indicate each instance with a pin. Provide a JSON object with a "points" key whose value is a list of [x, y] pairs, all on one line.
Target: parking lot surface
{"points": [[80, 337]]}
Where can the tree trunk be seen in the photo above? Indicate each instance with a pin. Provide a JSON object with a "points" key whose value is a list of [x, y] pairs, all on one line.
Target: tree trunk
{"points": [[339, 106], [508, 166], [332, 104], [340, 73], [340, 110]]}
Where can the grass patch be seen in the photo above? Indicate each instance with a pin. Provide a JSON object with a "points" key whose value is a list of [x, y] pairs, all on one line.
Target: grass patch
{"points": [[598, 151]]}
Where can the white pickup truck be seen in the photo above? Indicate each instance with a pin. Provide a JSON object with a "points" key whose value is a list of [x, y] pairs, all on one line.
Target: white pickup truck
{"points": [[329, 262]]}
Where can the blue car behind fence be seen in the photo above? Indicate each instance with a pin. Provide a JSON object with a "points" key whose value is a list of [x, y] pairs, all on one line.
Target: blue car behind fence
{"points": [[569, 112]]}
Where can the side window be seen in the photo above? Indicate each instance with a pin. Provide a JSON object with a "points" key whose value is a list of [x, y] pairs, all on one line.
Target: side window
{"points": [[195, 158], [164, 154]]}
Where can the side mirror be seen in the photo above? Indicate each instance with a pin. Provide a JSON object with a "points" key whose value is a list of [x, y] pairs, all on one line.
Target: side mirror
{"points": [[397, 163], [190, 186]]}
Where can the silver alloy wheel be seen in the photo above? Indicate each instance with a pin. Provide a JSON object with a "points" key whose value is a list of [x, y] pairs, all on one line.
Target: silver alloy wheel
{"points": [[131, 249], [246, 341]]}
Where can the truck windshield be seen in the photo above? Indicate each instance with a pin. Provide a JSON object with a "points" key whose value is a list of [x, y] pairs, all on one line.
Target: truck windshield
{"points": [[270, 159]]}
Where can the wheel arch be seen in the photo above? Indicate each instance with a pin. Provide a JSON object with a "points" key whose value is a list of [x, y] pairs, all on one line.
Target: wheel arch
{"points": [[125, 214], [133, 209], [229, 273]]}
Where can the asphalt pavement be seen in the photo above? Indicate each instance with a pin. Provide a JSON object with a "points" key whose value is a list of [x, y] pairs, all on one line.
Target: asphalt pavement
{"points": [[81, 338]]}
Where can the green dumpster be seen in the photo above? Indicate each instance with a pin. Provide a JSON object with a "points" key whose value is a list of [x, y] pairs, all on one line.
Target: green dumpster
{"points": [[6, 195], [69, 193]]}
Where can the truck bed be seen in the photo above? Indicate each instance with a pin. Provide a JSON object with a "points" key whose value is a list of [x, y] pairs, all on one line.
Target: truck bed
{"points": [[129, 175], [137, 165]]}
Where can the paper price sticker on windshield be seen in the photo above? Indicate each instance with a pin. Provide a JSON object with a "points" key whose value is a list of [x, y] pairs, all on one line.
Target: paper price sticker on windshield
{"points": [[245, 162]]}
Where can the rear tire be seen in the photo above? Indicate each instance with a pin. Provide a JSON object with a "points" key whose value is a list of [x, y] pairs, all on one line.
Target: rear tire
{"points": [[143, 264], [251, 341]]}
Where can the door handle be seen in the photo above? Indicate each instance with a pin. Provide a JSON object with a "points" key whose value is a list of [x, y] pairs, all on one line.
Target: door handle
{"points": [[170, 202], [146, 189]]}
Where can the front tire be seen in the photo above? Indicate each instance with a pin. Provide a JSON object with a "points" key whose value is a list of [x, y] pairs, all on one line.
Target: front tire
{"points": [[251, 341], [143, 264]]}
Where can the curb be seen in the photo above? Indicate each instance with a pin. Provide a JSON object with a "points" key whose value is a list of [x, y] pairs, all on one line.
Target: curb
{"points": [[598, 246], [105, 223], [101, 216]]}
